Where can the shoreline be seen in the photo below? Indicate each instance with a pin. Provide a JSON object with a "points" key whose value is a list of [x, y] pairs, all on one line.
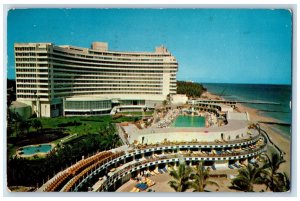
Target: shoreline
{"points": [[254, 115], [281, 140]]}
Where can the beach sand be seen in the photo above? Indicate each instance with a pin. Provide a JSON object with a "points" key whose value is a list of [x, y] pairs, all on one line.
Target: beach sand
{"points": [[162, 185], [281, 140]]}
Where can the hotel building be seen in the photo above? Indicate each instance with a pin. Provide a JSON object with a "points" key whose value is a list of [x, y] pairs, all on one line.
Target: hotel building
{"points": [[66, 80]]}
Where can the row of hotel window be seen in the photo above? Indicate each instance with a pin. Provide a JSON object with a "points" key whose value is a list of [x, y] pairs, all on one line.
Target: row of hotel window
{"points": [[109, 72], [30, 70], [80, 86], [83, 78], [87, 104], [89, 81], [107, 63], [92, 93], [105, 53], [57, 69], [109, 88], [32, 97], [35, 65], [67, 52], [91, 67], [32, 91], [34, 76], [78, 93], [111, 57], [32, 86], [114, 71], [20, 54], [30, 49], [105, 83], [38, 57], [31, 59]]}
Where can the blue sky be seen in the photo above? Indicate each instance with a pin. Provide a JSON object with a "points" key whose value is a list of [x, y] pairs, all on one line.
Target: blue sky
{"points": [[211, 45]]}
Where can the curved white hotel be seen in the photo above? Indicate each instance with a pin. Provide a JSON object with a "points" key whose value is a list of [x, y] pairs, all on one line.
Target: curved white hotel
{"points": [[66, 80]]}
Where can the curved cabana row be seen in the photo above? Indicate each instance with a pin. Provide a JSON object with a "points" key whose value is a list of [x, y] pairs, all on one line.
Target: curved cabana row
{"points": [[60, 179], [166, 159]]}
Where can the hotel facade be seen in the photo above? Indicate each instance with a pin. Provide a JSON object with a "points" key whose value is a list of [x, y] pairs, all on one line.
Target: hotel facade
{"points": [[66, 80]]}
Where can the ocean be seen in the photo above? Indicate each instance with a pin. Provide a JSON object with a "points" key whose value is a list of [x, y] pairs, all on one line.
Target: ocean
{"points": [[260, 92]]}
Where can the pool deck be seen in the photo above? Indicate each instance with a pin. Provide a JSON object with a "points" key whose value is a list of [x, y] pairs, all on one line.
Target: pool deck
{"points": [[232, 125], [135, 133]]}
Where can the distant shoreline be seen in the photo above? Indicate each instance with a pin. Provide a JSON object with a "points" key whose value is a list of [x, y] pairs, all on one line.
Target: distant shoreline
{"points": [[254, 113]]}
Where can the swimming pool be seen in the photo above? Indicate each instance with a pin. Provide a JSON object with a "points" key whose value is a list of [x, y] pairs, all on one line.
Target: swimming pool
{"points": [[189, 121], [35, 149]]}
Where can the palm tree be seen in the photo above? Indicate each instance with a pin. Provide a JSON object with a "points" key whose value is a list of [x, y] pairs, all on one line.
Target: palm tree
{"points": [[17, 120], [181, 178], [272, 177], [282, 183], [200, 177], [247, 177], [109, 138], [24, 126]]}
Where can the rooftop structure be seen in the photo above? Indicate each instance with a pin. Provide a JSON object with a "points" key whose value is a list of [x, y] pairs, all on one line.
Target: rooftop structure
{"points": [[47, 76]]}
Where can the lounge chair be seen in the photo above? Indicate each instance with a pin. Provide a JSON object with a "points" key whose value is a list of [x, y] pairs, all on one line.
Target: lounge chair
{"points": [[153, 173], [169, 168], [236, 165], [134, 189], [165, 169]]}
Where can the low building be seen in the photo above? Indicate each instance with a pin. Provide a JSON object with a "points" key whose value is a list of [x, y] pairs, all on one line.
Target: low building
{"points": [[21, 109], [177, 99]]}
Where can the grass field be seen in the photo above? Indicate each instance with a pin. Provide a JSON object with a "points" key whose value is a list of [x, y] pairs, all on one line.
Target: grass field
{"points": [[87, 125], [74, 127]]}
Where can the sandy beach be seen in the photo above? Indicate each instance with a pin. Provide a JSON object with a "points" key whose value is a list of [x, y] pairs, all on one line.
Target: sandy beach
{"points": [[162, 185], [281, 140]]}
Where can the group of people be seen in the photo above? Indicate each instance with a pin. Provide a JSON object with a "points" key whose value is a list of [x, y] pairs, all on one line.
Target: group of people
{"points": [[168, 119]]}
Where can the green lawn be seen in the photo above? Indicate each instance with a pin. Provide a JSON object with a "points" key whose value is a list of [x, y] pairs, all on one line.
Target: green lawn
{"points": [[76, 126], [88, 124]]}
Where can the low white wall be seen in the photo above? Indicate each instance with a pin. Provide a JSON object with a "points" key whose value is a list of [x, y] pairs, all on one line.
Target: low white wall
{"points": [[189, 136]]}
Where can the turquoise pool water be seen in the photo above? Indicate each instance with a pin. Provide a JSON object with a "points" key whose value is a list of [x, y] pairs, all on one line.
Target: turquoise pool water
{"points": [[29, 150], [189, 121]]}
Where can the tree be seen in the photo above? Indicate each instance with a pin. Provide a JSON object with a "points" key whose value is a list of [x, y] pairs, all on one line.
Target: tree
{"points": [[190, 89], [165, 102], [17, 119], [181, 178], [247, 177], [109, 138], [274, 180], [37, 124], [24, 126], [282, 183], [200, 177]]}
